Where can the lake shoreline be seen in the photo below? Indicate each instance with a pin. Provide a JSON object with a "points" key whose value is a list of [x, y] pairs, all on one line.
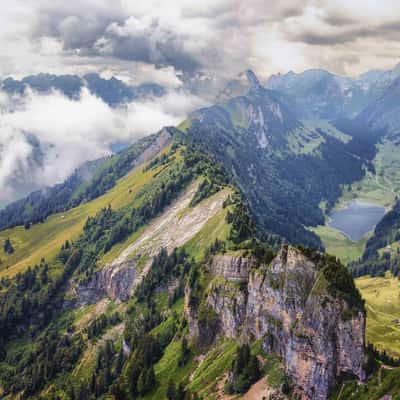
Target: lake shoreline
{"points": [[356, 219]]}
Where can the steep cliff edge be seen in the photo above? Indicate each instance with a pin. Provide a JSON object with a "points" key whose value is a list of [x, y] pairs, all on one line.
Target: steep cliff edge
{"points": [[294, 307]]}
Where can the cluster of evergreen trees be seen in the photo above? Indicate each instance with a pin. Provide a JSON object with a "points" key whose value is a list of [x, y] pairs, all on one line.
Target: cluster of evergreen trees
{"points": [[242, 226], [53, 353], [382, 356], [245, 370], [206, 189], [157, 161], [218, 246], [109, 364], [100, 324], [8, 247], [376, 263], [178, 392], [376, 266], [339, 281], [164, 268], [141, 366], [31, 294], [147, 348]]}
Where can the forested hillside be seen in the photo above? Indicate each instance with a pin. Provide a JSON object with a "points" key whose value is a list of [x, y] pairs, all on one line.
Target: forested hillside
{"points": [[113, 313], [284, 167], [42, 337], [382, 250]]}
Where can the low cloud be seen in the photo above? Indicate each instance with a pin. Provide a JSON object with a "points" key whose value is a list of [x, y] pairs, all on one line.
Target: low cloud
{"points": [[146, 40], [337, 35], [43, 138]]}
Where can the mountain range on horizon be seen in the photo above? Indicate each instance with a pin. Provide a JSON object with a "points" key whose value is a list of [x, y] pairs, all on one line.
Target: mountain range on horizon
{"points": [[255, 128], [311, 95]]}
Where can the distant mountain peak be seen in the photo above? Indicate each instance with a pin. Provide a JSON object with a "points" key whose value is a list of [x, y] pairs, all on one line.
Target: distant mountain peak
{"points": [[252, 78], [396, 83], [240, 86], [112, 91]]}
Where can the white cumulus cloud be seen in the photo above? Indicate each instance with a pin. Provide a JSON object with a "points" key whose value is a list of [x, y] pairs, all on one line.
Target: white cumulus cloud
{"points": [[43, 138]]}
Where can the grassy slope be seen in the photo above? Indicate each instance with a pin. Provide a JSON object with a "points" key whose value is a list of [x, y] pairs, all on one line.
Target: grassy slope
{"points": [[304, 141], [373, 390], [340, 245], [212, 368], [382, 296], [44, 240], [326, 127], [215, 228], [203, 376]]}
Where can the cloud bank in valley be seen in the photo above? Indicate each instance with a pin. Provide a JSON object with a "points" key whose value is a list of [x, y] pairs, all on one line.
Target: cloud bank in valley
{"points": [[44, 137]]}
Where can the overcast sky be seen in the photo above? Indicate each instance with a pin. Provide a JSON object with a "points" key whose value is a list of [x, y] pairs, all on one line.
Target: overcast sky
{"points": [[44, 137], [151, 39]]}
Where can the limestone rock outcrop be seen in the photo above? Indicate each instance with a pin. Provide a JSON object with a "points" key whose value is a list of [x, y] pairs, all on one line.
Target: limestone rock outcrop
{"points": [[113, 281], [286, 304]]}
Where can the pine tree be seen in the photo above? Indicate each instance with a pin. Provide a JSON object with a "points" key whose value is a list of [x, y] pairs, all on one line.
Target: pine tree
{"points": [[141, 383], [171, 390], [93, 383], [253, 369], [180, 392], [8, 247], [120, 361], [70, 391], [185, 353], [150, 379], [83, 392], [117, 392], [101, 383]]}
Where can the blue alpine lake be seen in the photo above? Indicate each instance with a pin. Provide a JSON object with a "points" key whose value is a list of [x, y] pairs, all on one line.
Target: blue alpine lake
{"points": [[356, 219]]}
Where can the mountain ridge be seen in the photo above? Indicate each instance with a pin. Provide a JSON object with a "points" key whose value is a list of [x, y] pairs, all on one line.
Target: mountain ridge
{"points": [[113, 91], [273, 156], [331, 96]]}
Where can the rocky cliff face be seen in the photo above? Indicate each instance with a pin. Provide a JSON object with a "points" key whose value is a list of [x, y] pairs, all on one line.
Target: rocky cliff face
{"points": [[288, 307], [233, 269], [163, 139], [113, 281]]}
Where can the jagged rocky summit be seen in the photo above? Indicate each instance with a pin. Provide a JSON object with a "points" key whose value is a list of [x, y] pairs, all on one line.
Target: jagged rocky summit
{"points": [[287, 304]]}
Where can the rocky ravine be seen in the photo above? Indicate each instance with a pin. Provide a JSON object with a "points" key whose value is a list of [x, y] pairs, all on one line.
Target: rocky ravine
{"points": [[286, 306]]}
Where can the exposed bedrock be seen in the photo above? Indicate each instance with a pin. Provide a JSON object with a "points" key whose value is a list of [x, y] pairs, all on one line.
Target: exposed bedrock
{"points": [[288, 307]]}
